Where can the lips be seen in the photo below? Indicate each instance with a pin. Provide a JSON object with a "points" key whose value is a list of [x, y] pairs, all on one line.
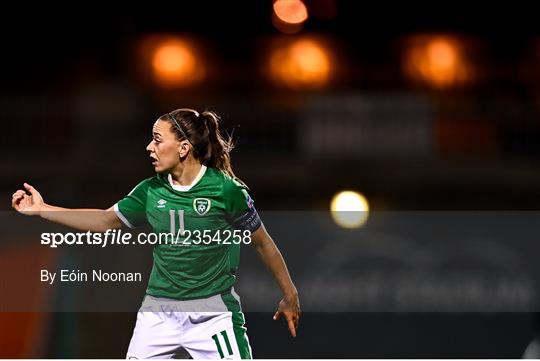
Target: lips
{"points": [[154, 160]]}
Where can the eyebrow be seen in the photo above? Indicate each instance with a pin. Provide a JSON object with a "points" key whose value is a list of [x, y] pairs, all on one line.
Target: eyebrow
{"points": [[156, 133]]}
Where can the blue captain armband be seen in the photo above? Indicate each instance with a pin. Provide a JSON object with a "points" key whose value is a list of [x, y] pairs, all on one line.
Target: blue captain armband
{"points": [[248, 220]]}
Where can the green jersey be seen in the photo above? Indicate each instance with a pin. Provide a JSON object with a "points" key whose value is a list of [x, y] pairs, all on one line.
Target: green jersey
{"points": [[207, 222]]}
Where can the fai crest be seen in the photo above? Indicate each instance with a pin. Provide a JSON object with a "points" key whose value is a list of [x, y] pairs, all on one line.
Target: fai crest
{"points": [[201, 205]]}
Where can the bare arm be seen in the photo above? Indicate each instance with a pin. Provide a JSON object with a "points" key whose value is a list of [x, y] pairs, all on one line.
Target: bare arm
{"points": [[289, 306], [95, 220]]}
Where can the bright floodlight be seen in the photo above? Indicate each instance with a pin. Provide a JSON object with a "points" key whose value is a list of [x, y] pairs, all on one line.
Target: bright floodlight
{"points": [[438, 61], [175, 64], [304, 63], [349, 209], [290, 11]]}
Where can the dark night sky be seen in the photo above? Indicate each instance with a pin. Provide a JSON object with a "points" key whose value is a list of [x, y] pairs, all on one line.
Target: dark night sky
{"points": [[47, 47], [50, 34]]}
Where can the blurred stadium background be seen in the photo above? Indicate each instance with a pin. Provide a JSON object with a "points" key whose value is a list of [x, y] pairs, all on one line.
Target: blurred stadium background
{"points": [[434, 108]]}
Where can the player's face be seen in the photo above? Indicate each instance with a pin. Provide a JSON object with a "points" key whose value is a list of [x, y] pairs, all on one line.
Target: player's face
{"points": [[164, 148]]}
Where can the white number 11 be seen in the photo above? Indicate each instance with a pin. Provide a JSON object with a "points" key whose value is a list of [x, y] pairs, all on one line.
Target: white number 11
{"points": [[180, 221]]}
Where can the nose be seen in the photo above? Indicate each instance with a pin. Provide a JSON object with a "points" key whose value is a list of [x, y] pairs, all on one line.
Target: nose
{"points": [[149, 147]]}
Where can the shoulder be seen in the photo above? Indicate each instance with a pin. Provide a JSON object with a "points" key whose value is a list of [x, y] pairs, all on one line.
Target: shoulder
{"points": [[237, 194], [230, 187], [233, 184], [157, 180], [217, 177], [150, 182]]}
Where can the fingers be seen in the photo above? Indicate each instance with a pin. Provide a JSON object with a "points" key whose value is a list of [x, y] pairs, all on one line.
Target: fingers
{"points": [[16, 199], [17, 196], [14, 203], [292, 321], [30, 189], [19, 192], [292, 327]]}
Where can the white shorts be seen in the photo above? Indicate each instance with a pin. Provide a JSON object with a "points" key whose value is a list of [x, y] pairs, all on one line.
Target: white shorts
{"points": [[208, 328]]}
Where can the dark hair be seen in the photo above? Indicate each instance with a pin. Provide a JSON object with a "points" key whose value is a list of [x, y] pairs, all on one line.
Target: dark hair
{"points": [[210, 147]]}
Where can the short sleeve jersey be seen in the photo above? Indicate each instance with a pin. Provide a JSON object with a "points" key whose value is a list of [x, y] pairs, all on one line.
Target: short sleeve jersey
{"points": [[214, 211]]}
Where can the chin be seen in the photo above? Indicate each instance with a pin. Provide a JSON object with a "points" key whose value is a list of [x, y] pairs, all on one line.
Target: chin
{"points": [[160, 170]]}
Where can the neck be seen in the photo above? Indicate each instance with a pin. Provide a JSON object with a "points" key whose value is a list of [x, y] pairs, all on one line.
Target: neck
{"points": [[186, 172]]}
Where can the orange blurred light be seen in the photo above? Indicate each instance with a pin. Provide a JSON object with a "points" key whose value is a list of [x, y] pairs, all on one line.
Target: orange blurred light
{"points": [[437, 61], [175, 65], [301, 64], [290, 11], [284, 27]]}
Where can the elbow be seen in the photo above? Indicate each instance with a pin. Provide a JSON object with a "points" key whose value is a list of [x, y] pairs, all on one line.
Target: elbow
{"points": [[108, 220]]}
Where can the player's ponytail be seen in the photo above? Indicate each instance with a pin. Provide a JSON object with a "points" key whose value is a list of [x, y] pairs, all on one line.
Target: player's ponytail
{"points": [[219, 147]]}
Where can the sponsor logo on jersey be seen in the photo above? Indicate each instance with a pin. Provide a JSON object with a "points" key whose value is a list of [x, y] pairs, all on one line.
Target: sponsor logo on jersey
{"points": [[201, 205], [161, 203]]}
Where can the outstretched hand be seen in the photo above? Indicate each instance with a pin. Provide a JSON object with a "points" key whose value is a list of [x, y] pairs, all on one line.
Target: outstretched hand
{"points": [[290, 308], [27, 204]]}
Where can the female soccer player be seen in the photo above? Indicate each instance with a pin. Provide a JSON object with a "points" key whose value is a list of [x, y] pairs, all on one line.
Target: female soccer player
{"points": [[190, 304]]}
